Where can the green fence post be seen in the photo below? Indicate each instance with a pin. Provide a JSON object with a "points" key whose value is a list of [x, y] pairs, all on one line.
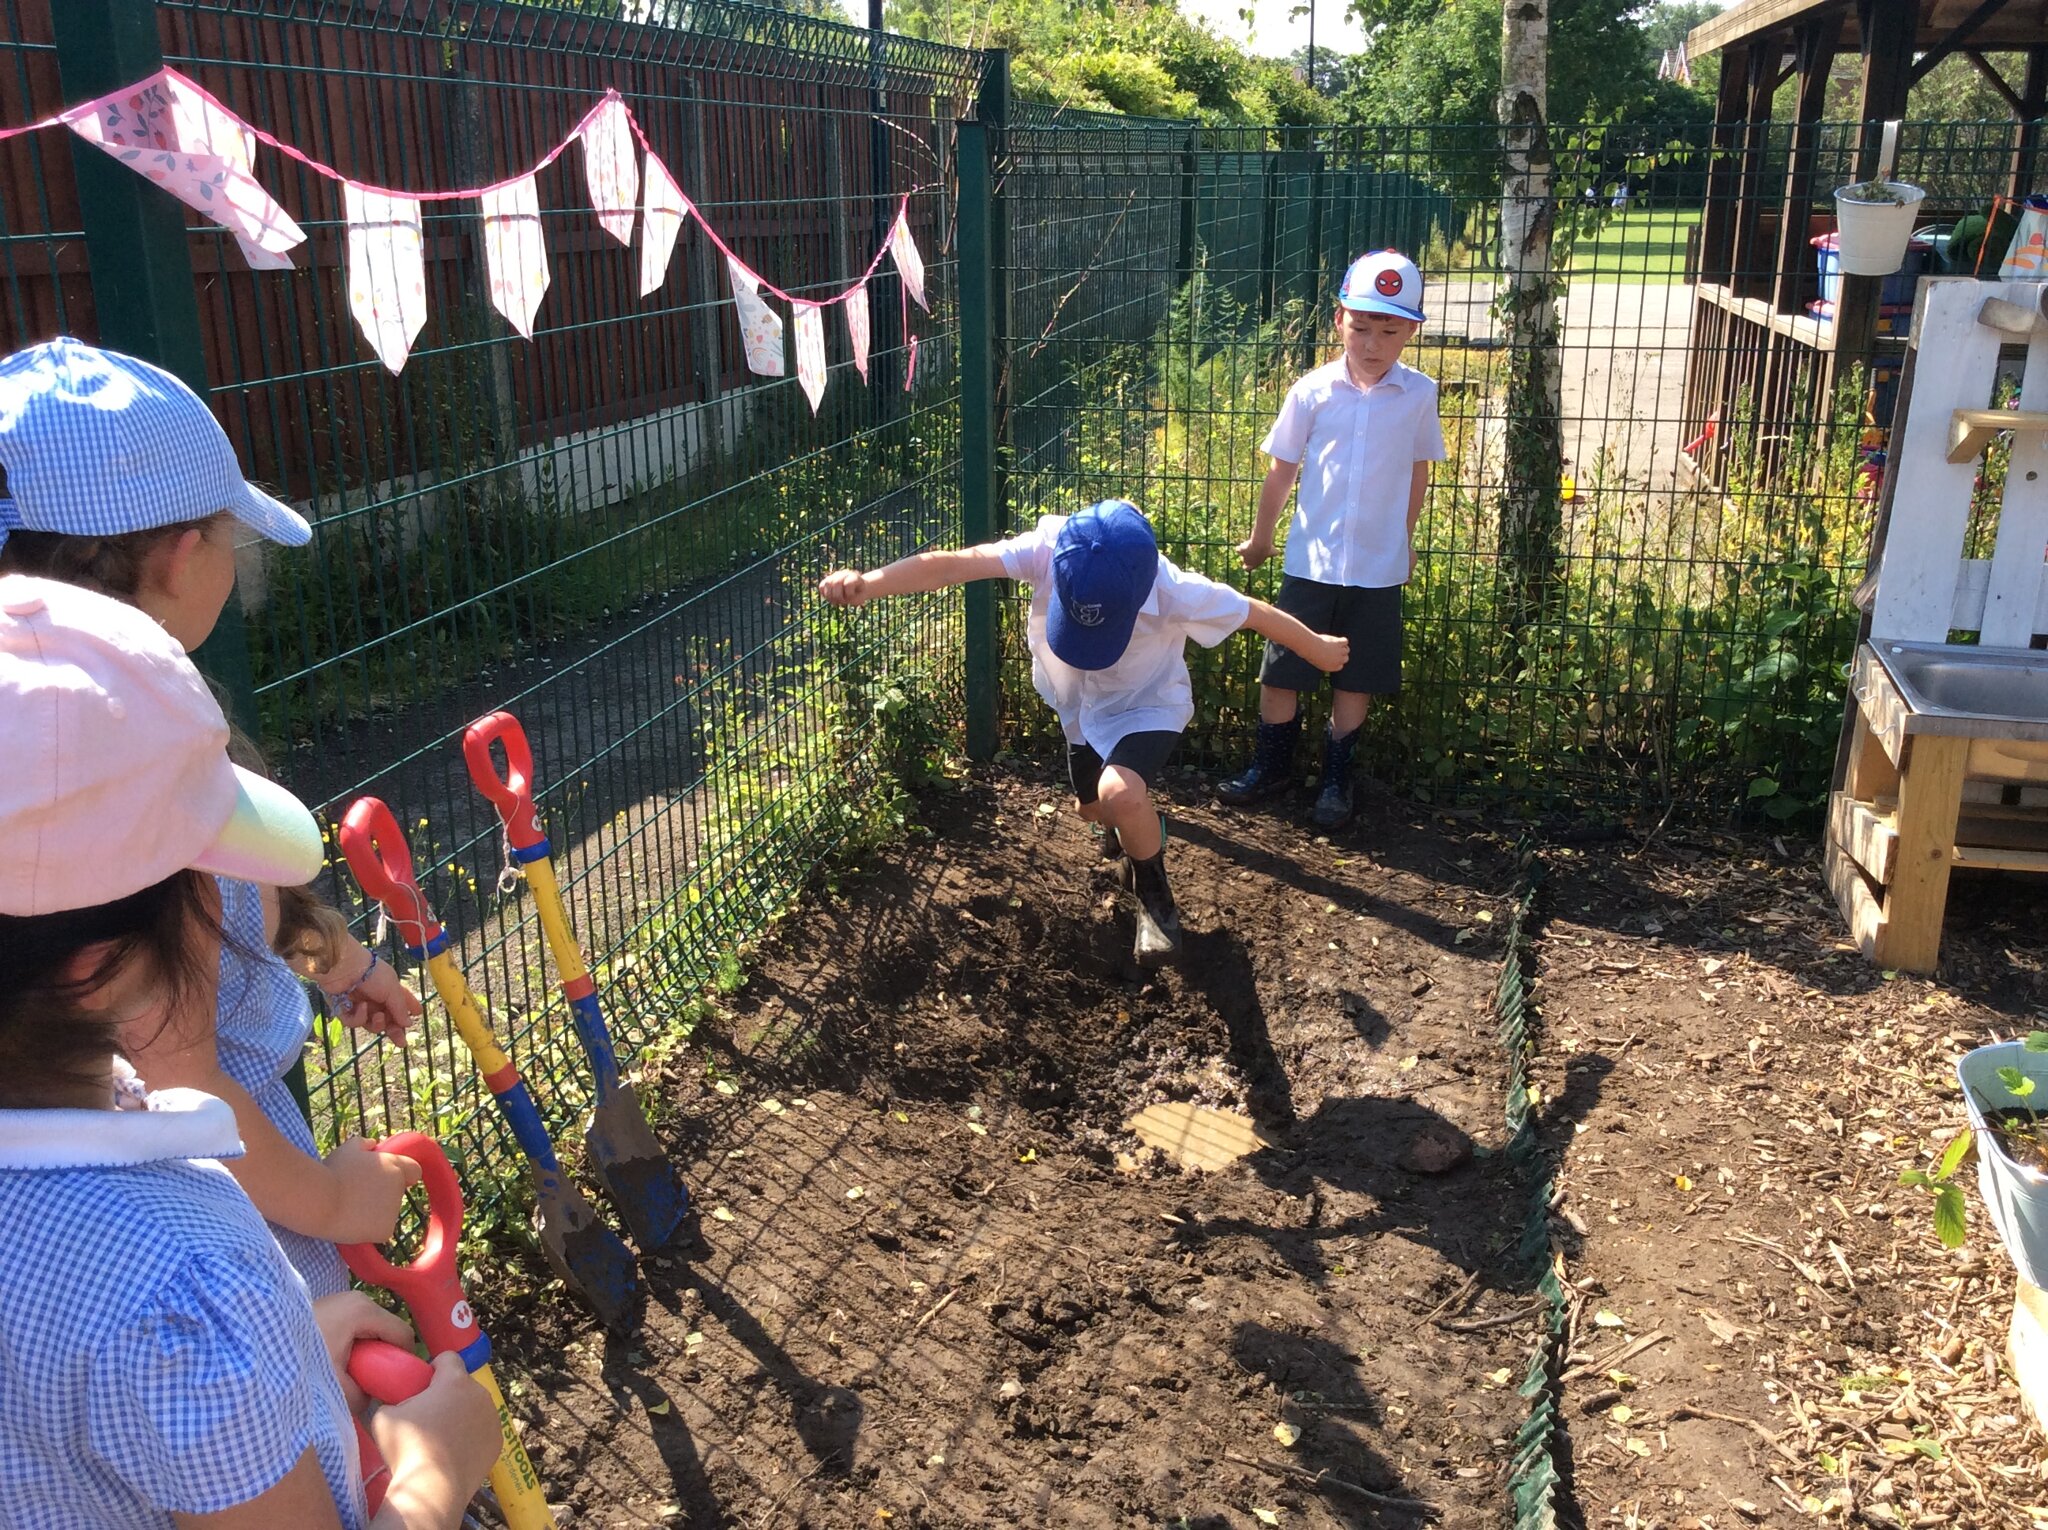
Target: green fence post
{"points": [[142, 289], [982, 289], [135, 246], [1190, 191], [1312, 257]]}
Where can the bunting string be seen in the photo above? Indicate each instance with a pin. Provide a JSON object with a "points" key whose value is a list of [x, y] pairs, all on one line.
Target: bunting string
{"points": [[176, 133]]}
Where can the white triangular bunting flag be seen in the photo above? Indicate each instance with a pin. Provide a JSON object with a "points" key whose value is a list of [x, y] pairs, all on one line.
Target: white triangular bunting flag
{"points": [[662, 210], [611, 168], [908, 262], [515, 252], [760, 325], [810, 351], [857, 328], [145, 126], [387, 272], [206, 126]]}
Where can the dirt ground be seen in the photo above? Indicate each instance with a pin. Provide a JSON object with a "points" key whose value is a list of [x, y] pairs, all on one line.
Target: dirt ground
{"points": [[928, 1287], [924, 1291], [1733, 1094]]}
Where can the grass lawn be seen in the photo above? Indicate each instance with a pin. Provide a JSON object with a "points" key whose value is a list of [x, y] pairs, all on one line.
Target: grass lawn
{"points": [[1637, 245]]}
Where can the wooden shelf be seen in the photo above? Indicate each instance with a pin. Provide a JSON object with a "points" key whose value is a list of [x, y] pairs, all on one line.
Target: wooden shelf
{"points": [[1987, 838], [1971, 430], [1804, 328]]}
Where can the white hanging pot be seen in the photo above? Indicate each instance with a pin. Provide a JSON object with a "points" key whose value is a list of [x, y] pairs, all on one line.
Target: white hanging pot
{"points": [[1874, 222], [2015, 1194]]}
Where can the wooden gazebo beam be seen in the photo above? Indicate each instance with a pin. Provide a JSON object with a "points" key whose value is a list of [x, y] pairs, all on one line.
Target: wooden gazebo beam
{"points": [[1887, 28], [1964, 30]]}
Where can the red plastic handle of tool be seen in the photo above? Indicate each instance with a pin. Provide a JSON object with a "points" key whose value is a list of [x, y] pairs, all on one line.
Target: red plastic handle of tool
{"points": [[430, 1286], [390, 1375], [382, 861], [512, 793]]}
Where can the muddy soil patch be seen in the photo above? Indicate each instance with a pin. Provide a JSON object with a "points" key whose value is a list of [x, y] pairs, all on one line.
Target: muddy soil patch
{"points": [[934, 1282]]}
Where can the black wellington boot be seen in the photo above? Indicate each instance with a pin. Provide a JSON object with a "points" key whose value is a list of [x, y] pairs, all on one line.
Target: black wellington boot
{"points": [[1158, 940], [1271, 771], [1333, 803]]}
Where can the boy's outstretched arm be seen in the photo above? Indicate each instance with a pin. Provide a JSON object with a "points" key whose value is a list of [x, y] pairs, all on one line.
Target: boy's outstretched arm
{"points": [[938, 570], [1258, 547], [1328, 654]]}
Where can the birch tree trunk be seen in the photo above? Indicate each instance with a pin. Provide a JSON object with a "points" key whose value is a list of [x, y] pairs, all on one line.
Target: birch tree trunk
{"points": [[1531, 514]]}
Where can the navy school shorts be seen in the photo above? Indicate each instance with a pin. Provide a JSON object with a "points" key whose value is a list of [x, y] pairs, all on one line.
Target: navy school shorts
{"points": [[1142, 753], [1370, 618]]}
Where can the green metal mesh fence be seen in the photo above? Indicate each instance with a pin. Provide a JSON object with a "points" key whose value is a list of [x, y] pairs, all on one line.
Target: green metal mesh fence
{"points": [[610, 531], [1709, 517]]}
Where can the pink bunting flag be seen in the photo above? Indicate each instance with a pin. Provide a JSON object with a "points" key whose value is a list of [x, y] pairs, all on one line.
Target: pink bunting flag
{"points": [[387, 272], [910, 365], [810, 351], [166, 128], [515, 252], [908, 262], [857, 328], [760, 325], [610, 166], [662, 210]]}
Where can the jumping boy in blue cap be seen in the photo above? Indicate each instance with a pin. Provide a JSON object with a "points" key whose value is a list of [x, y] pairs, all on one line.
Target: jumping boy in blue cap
{"points": [[1110, 621], [1365, 428]]}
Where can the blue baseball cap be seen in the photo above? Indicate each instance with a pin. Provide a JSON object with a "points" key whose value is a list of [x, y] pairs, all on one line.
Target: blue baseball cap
{"points": [[1103, 566], [95, 444], [1385, 281]]}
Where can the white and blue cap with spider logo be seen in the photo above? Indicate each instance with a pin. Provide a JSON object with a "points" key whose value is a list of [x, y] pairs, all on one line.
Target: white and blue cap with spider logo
{"points": [[95, 443], [1385, 281], [1103, 566]]}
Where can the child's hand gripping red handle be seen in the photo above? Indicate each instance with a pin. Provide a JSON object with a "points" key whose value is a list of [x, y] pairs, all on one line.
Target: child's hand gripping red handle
{"points": [[390, 1375], [432, 1289], [430, 1285], [512, 793], [382, 861]]}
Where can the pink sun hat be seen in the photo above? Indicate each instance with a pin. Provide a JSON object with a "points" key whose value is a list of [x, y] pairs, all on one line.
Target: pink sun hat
{"points": [[114, 772]]}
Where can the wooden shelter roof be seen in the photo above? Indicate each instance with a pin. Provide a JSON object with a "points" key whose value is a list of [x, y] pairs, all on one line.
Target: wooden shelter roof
{"points": [[1993, 25]]}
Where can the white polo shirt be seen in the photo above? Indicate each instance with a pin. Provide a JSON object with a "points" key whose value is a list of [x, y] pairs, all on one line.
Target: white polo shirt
{"points": [[1357, 448], [1146, 690]]}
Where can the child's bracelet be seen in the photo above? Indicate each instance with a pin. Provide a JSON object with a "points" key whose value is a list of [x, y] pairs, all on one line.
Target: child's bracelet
{"points": [[345, 1001]]}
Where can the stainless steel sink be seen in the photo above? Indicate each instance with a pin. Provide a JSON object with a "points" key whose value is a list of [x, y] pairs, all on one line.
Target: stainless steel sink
{"points": [[1975, 692]]}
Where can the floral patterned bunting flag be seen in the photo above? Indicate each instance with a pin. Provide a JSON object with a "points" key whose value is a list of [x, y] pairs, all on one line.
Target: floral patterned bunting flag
{"points": [[515, 252], [610, 166], [857, 328], [662, 210], [760, 325], [908, 262], [146, 127], [387, 272], [810, 351]]}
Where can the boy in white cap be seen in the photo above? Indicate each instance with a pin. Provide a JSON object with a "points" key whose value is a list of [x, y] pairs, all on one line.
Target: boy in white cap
{"points": [[1365, 428], [1109, 629]]}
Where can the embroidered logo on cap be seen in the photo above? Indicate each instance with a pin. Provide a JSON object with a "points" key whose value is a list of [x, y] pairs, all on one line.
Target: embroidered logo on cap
{"points": [[1387, 283], [1087, 616]]}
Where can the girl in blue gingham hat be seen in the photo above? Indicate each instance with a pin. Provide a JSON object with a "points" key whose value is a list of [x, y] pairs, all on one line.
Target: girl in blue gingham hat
{"points": [[119, 479], [160, 1362]]}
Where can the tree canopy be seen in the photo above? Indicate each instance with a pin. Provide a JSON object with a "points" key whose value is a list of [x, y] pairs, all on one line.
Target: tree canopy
{"points": [[1426, 61]]}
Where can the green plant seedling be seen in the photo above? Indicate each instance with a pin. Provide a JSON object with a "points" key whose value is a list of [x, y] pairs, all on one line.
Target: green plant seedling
{"points": [[1949, 1224]]}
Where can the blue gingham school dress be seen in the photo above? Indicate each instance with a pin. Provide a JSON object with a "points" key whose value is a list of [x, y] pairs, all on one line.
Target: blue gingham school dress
{"points": [[262, 1025], [157, 1354]]}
